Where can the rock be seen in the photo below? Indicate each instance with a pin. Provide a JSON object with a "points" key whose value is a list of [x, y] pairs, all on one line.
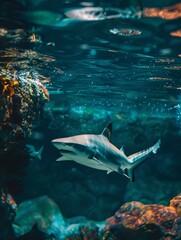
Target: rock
{"points": [[135, 220], [41, 217], [7, 214], [22, 96], [87, 232], [42, 212]]}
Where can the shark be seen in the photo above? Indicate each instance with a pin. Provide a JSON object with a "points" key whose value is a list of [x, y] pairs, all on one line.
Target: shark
{"points": [[33, 153], [98, 152]]}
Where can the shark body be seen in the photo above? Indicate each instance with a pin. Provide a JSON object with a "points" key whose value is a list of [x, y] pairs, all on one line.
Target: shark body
{"points": [[97, 151]]}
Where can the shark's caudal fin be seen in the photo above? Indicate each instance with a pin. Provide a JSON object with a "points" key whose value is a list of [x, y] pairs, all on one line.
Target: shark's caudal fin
{"points": [[137, 158]]}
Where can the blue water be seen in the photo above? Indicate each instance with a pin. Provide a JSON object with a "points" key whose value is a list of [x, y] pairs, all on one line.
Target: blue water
{"points": [[100, 62]]}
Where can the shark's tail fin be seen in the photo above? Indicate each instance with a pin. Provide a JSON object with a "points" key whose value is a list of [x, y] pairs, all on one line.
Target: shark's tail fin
{"points": [[136, 159]]}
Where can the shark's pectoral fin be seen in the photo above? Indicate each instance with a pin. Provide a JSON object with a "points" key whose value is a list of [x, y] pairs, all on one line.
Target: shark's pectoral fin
{"points": [[92, 156], [109, 171], [62, 158], [95, 159]]}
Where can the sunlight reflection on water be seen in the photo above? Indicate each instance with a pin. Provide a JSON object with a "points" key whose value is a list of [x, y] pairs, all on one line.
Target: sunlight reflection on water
{"points": [[99, 13]]}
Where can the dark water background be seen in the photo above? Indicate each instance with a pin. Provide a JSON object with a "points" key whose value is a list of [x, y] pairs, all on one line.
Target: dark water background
{"points": [[115, 61]]}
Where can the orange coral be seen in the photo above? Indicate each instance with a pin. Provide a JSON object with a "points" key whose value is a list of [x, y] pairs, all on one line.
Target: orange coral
{"points": [[8, 86], [152, 221], [169, 12]]}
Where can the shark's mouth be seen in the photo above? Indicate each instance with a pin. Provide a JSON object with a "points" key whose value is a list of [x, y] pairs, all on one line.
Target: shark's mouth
{"points": [[67, 152]]}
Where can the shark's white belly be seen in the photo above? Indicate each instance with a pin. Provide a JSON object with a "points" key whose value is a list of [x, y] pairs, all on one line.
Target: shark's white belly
{"points": [[83, 160], [93, 154]]}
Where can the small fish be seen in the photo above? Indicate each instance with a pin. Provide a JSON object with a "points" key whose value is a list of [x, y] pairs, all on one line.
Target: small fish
{"points": [[33, 153], [97, 151]]}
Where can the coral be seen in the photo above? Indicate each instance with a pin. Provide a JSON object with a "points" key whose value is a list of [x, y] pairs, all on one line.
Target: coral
{"points": [[135, 220], [22, 96]]}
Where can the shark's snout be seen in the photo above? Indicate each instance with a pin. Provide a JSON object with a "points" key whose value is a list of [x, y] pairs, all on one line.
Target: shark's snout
{"points": [[57, 144]]}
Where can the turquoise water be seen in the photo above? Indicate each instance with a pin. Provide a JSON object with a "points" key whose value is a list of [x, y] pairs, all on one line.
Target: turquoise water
{"points": [[100, 62]]}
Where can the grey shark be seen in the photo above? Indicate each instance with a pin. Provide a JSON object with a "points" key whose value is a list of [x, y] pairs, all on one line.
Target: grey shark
{"points": [[97, 151]]}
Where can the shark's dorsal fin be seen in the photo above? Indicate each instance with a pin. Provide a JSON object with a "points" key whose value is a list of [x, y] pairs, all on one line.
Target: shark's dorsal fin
{"points": [[107, 132], [122, 149]]}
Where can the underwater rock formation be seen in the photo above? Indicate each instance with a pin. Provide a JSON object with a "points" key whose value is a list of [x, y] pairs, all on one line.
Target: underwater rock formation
{"points": [[7, 214], [86, 232], [22, 96], [44, 213], [135, 220]]}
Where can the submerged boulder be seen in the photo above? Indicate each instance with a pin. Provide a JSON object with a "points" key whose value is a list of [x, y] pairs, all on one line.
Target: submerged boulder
{"points": [[7, 214], [42, 212], [135, 220], [42, 216]]}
